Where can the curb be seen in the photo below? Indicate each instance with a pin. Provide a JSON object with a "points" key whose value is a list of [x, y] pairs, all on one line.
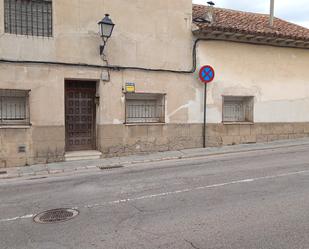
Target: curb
{"points": [[48, 171], [203, 155]]}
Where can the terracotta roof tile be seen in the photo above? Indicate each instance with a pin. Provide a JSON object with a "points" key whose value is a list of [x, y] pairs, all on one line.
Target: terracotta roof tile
{"points": [[249, 23]]}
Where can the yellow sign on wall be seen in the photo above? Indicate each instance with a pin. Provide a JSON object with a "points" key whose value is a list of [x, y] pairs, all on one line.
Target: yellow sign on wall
{"points": [[130, 87]]}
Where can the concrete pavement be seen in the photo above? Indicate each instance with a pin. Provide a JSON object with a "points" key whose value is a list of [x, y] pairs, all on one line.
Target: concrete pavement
{"points": [[95, 165], [254, 199]]}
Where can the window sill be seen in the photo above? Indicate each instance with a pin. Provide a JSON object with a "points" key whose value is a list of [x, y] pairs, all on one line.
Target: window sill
{"points": [[52, 38], [143, 124], [238, 123], [15, 126]]}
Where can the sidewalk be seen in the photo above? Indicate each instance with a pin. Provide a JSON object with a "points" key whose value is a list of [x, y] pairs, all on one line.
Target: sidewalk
{"points": [[79, 166]]}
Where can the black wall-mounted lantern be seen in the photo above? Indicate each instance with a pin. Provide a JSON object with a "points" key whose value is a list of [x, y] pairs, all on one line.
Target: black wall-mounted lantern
{"points": [[106, 29]]}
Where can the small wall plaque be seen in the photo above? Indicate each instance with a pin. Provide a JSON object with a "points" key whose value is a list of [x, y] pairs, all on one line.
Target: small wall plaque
{"points": [[130, 87]]}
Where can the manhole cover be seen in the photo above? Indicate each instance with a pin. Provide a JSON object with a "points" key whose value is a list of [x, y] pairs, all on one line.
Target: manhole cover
{"points": [[55, 216]]}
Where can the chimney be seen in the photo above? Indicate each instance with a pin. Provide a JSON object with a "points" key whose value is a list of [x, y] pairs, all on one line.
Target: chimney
{"points": [[272, 10], [209, 15]]}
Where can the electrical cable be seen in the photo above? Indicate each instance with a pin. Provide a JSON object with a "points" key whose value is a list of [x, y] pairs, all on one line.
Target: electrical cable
{"points": [[112, 67]]}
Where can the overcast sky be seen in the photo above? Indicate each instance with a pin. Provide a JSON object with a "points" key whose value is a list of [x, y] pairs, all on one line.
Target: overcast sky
{"points": [[296, 11]]}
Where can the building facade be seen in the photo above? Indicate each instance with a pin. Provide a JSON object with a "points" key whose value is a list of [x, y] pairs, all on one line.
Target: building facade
{"points": [[58, 95]]}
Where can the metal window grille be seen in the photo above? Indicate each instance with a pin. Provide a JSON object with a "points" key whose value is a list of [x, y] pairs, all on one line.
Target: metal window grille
{"points": [[237, 109], [14, 107], [145, 108], [28, 17]]}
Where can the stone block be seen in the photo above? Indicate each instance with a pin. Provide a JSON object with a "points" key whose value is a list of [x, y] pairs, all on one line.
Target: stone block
{"points": [[261, 138], [3, 163], [248, 139], [233, 130], [230, 140], [177, 130], [256, 129], [306, 127], [48, 133], [110, 142], [216, 129], [15, 135], [155, 131], [283, 137], [301, 135], [244, 130], [211, 141], [271, 138], [196, 130], [16, 162], [299, 128], [161, 141], [137, 131], [278, 128], [116, 150], [111, 131], [266, 129], [49, 149]]}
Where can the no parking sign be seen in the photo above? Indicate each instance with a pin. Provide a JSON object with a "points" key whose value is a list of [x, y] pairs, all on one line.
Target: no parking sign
{"points": [[207, 74]]}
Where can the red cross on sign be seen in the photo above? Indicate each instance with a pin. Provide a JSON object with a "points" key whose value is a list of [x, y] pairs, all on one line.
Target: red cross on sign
{"points": [[207, 74]]}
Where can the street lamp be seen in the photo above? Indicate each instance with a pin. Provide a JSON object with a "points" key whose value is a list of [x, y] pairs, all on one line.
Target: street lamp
{"points": [[106, 29]]}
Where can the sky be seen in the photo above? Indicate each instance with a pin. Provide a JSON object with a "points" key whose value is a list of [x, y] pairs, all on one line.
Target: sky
{"points": [[296, 11]]}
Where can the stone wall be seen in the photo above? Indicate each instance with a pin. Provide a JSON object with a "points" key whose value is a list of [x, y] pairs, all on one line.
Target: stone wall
{"points": [[115, 140], [42, 145], [47, 144], [10, 140], [231, 134]]}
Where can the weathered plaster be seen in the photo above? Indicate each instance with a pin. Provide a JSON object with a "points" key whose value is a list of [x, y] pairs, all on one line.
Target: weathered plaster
{"points": [[276, 77], [163, 41]]}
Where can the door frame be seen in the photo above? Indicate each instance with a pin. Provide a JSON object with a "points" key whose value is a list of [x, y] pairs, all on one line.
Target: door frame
{"points": [[93, 84]]}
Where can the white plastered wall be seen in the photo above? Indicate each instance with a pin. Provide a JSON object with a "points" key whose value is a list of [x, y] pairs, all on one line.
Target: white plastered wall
{"points": [[149, 34], [277, 77]]}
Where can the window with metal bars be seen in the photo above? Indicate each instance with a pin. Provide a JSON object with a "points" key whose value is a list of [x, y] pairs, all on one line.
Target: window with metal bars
{"points": [[14, 107], [237, 109], [28, 17], [145, 108]]}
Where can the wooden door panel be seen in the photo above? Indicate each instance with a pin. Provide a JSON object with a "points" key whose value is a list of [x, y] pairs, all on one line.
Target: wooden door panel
{"points": [[80, 117]]}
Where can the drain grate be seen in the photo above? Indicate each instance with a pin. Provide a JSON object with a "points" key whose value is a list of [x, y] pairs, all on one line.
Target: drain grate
{"points": [[111, 167], [56, 216]]}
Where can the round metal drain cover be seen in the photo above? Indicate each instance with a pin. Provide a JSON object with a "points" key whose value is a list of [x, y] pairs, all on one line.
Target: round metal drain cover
{"points": [[55, 216]]}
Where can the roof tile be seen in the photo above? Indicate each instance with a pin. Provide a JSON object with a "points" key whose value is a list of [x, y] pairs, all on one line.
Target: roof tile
{"points": [[248, 23]]}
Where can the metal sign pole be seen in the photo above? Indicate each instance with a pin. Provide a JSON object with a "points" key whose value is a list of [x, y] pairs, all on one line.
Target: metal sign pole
{"points": [[207, 75], [205, 109]]}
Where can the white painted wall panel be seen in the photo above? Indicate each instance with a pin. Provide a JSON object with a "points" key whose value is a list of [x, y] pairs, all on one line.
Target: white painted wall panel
{"points": [[277, 77]]}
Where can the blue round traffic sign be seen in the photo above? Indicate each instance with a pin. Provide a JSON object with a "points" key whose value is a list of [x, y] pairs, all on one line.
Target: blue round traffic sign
{"points": [[207, 74]]}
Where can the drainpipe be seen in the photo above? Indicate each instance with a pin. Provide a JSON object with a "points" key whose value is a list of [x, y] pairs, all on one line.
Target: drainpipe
{"points": [[271, 16]]}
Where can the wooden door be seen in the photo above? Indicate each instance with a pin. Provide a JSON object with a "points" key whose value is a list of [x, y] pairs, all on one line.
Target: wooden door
{"points": [[80, 115]]}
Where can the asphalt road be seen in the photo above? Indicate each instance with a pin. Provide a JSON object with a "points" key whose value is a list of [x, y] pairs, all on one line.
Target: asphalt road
{"points": [[241, 201]]}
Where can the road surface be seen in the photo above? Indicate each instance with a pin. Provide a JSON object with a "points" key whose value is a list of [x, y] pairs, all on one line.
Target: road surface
{"points": [[251, 200]]}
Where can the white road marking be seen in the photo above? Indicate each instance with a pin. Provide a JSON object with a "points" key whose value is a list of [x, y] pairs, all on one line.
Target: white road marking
{"points": [[18, 218], [194, 189], [171, 193]]}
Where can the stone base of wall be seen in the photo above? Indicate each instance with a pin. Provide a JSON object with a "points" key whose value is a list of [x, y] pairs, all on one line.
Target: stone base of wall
{"points": [[116, 140], [47, 144], [231, 134], [42, 144]]}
